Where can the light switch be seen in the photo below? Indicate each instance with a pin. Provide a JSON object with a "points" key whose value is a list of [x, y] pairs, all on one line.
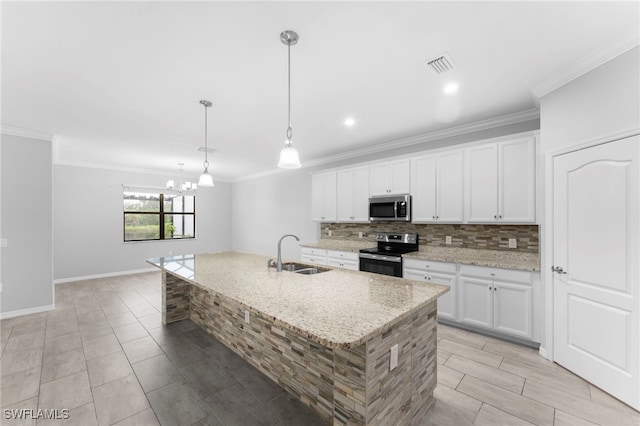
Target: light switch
{"points": [[246, 316], [513, 243], [393, 361], [447, 239]]}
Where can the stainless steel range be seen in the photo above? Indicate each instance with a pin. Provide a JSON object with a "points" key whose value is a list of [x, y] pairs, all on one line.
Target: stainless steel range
{"points": [[386, 258]]}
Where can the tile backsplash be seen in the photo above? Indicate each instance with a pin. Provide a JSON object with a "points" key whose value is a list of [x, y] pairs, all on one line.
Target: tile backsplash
{"points": [[487, 237]]}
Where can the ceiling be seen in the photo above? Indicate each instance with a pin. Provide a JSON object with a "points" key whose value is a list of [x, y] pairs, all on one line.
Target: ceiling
{"points": [[119, 83]]}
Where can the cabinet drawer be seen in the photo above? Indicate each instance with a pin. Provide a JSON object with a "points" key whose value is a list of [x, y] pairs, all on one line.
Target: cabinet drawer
{"points": [[345, 255], [510, 275], [429, 265], [353, 265], [318, 260], [309, 251]]}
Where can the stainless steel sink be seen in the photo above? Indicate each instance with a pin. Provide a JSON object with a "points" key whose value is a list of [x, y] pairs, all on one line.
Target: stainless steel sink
{"points": [[301, 268]]}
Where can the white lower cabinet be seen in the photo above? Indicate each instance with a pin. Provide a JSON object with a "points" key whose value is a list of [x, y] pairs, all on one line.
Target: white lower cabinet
{"points": [[331, 258], [313, 255], [435, 273], [499, 299], [343, 259]]}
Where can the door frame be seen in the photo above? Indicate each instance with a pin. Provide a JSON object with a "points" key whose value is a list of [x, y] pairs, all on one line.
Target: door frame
{"points": [[547, 232]]}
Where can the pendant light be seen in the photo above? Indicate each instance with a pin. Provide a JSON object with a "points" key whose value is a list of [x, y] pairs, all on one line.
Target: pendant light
{"points": [[205, 178], [289, 158]]}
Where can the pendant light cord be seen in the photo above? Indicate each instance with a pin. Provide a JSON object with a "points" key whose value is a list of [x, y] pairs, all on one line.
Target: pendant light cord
{"points": [[289, 129], [206, 105]]}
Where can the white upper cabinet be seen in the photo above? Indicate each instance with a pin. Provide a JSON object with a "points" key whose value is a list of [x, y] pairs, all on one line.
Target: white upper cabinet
{"points": [[436, 184], [323, 197], [353, 195], [391, 177], [500, 183]]}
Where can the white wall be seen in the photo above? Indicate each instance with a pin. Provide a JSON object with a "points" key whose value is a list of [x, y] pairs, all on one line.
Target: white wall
{"points": [[597, 106], [26, 224], [266, 208], [88, 223]]}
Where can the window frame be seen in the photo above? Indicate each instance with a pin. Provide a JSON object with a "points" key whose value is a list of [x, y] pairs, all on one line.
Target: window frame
{"points": [[161, 213]]}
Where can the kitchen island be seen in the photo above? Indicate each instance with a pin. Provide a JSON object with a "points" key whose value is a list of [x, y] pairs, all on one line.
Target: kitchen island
{"points": [[325, 338]]}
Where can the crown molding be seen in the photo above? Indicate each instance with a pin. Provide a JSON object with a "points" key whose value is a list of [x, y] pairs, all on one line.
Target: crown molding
{"points": [[115, 168], [505, 120], [25, 133], [590, 62]]}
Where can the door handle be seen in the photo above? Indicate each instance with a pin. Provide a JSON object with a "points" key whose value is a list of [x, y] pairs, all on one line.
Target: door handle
{"points": [[557, 269]]}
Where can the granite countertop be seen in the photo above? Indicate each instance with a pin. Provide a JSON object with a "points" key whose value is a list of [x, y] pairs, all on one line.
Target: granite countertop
{"points": [[492, 258], [338, 308], [465, 256], [340, 245]]}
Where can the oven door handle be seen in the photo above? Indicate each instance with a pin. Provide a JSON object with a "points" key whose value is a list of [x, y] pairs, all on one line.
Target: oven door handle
{"points": [[381, 257]]}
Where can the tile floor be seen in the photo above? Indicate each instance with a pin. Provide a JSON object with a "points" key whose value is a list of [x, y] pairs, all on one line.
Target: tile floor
{"points": [[104, 355]]}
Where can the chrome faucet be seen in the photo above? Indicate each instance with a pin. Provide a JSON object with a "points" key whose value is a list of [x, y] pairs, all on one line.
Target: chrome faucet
{"points": [[278, 264]]}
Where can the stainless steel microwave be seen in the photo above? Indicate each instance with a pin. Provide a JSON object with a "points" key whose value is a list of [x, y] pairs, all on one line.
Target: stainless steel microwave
{"points": [[390, 208]]}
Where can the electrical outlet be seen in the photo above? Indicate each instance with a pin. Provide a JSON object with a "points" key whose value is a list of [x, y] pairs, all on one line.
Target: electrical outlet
{"points": [[3, 242], [393, 361], [359, 234], [330, 232], [246, 316], [513, 243], [447, 239]]}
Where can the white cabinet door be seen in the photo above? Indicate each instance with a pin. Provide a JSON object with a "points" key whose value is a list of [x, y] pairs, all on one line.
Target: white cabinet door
{"points": [[423, 183], [476, 301], [379, 179], [393, 177], [482, 183], [517, 176], [345, 195], [361, 194], [500, 183], [400, 176], [353, 195], [435, 273], [446, 302], [323, 197], [512, 309], [450, 184]]}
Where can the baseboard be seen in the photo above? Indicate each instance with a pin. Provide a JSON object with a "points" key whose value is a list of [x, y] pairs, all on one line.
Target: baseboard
{"points": [[28, 311], [107, 275]]}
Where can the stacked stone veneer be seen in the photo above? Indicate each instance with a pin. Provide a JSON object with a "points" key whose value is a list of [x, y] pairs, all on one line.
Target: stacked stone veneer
{"points": [[345, 385], [486, 237]]}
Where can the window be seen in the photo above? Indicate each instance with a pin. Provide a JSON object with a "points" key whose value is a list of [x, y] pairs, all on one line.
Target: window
{"points": [[158, 216]]}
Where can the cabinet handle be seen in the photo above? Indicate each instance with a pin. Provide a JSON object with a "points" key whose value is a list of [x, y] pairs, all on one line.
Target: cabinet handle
{"points": [[433, 217], [492, 274], [490, 288], [499, 216], [495, 216]]}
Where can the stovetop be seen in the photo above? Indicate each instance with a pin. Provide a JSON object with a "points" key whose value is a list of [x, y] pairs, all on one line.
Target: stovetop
{"points": [[392, 244]]}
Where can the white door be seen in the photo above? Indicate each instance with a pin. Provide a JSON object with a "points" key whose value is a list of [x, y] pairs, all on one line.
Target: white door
{"points": [[596, 218], [517, 194], [449, 193], [345, 195], [482, 183], [361, 194], [423, 172], [476, 301]]}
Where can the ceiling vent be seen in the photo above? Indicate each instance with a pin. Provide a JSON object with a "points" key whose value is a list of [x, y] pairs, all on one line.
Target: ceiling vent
{"points": [[208, 150], [441, 64]]}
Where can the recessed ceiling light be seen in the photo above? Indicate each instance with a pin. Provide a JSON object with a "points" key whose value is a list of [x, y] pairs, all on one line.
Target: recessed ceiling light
{"points": [[349, 122], [451, 88]]}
